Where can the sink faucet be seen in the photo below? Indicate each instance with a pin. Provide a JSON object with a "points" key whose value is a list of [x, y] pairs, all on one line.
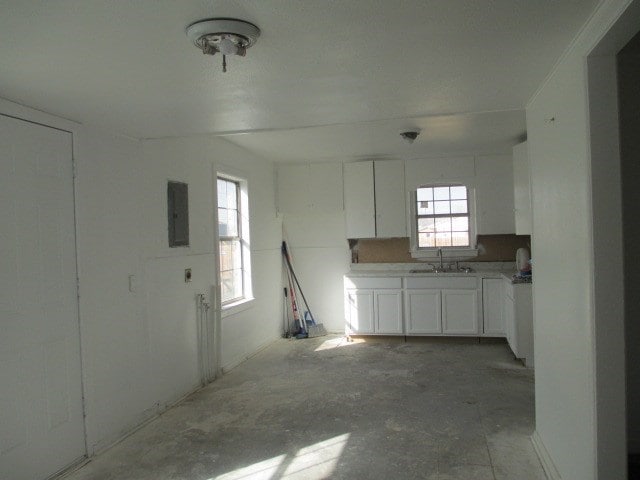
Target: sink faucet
{"points": [[440, 255]]}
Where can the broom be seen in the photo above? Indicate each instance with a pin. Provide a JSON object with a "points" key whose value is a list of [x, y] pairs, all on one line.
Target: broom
{"points": [[313, 329]]}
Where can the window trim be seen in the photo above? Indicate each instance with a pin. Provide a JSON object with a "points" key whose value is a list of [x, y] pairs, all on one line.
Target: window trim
{"points": [[238, 304], [450, 251]]}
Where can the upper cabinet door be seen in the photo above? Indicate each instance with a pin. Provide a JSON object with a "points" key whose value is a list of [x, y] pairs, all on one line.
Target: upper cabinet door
{"points": [[390, 199], [359, 203], [522, 190]]}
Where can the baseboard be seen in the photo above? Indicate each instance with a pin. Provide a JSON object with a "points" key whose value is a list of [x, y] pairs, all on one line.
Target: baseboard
{"points": [[243, 358], [545, 459], [143, 419]]}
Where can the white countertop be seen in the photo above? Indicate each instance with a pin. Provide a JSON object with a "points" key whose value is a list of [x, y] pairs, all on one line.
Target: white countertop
{"points": [[480, 269]]}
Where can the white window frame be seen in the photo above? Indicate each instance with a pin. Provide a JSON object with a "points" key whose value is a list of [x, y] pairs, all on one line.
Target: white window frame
{"points": [[447, 252], [244, 302]]}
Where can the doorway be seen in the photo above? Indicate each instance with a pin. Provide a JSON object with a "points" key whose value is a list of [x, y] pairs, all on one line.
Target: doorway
{"points": [[41, 409]]}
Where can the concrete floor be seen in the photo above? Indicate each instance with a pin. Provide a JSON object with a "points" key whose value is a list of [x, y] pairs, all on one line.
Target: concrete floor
{"points": [[433, 409]]}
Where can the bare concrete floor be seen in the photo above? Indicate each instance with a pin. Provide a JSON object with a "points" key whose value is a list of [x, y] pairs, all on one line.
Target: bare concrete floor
{"points": [[326, 408]]}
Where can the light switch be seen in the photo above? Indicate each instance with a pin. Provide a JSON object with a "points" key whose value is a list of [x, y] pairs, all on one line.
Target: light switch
{"points": [[187, 275]]}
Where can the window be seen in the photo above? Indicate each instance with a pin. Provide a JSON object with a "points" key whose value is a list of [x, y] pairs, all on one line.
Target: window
{"points": [[233, 230], [442, 216]]}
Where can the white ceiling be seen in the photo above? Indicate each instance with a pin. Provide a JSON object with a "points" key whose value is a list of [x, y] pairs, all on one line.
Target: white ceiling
{"points": [[326, 80]]}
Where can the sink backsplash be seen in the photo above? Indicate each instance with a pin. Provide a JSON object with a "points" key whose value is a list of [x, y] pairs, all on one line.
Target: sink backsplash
{"points": [[491, 248]]}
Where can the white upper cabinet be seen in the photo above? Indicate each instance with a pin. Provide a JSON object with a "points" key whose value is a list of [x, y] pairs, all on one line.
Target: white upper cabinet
{"points": [[374, 199], [390, 199], [522, 190], [359, 200]]}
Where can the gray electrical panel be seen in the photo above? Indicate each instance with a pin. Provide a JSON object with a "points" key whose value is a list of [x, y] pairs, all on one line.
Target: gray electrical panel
{"points": [[178, 210]]}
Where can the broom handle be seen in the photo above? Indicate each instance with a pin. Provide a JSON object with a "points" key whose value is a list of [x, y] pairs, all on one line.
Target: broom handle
{"points": [[294, 305], [285, 252]]}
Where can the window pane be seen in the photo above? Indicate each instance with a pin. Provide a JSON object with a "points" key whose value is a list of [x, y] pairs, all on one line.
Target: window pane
{"points": [[236, 252], [426, 225], [459, 206], [232, 195], [222, 194], [425, 207], [443, 224], [222, 222], [460, 239], [232, 223], [459, 193], [443, 239], [441, 193], [425, 194], [460, 224], [226, 286], [426, 240], [441, 207], [226, 255]]}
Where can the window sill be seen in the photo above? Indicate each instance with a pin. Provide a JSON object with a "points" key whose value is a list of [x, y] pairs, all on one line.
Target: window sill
{"points": [[237, 307], [447, 253]]}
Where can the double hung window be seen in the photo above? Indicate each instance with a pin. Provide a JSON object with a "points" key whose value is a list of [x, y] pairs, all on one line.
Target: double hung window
{"points": [[230, 231], [442, 216]]}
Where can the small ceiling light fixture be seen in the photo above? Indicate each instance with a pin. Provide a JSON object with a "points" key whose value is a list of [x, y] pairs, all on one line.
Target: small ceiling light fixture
{"points": [[410, 136], [227, 36]]}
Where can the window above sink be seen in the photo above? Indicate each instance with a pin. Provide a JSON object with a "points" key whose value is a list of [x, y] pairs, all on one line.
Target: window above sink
{"points": [[443, 221]]}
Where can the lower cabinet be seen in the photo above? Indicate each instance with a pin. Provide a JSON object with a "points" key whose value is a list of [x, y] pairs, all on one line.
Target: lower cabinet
{"points": [[517, 311], [441, 305], [359, 311], [374, 305], [387, 311], [492, 307], [374, 311], [426, 305], [423, 311], [460, 312]]}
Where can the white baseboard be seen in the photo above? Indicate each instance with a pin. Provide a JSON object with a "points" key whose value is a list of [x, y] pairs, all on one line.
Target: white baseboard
{"points": [[545, 459]]}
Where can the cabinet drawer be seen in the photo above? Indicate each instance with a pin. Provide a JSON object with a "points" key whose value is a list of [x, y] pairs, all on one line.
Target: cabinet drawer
{"points": [[373, 282], [442, 282]]}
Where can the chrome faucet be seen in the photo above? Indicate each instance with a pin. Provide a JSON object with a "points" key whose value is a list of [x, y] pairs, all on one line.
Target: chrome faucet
{"points": [[440, 268]]}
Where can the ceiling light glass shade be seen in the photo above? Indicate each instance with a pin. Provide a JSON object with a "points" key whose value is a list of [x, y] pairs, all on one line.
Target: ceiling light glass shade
{"points": [[225, 35]]}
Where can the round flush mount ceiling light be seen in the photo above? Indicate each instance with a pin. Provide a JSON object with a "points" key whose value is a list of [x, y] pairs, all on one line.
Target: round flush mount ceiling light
{"points": [[410, 136], [227, 36]]}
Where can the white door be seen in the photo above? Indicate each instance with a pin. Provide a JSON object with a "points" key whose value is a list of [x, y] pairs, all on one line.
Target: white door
{"points": [[360, 311], [388, 311], [492, 306], [423, 312], [41, 416], [459, 312]]}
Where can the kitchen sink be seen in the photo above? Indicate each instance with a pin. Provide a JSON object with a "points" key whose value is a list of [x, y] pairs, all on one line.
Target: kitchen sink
{"points": [[437, 270]]}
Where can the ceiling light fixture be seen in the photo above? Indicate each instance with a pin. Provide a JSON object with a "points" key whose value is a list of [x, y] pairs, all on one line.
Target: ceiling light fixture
{"points": [[228, 36], [410, 136]]}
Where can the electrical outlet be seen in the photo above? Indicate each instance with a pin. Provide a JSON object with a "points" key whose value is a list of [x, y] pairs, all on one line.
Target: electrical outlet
{"points": [[187, 275]]}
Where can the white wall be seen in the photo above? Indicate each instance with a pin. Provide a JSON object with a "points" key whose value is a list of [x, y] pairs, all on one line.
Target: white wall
{"points": [[490, 175], [629, 78], [571, 409], [311, 204], [140, 349]]}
